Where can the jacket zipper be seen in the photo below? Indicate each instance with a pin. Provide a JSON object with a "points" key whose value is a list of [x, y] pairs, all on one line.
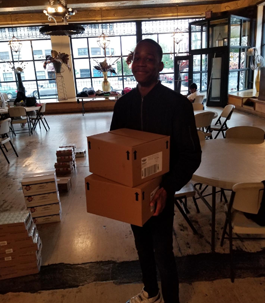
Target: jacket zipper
{"points": [[142, 122]]}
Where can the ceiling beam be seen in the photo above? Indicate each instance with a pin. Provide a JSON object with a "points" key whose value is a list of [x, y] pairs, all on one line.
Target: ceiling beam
{"points": [[124, 14]]}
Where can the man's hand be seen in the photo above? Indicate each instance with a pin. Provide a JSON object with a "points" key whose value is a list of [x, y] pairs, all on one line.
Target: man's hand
{"points": [[159, 201]]}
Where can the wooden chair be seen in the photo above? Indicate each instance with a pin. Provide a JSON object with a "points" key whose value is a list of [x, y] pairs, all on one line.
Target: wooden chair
{"points": [[19, 115], [221, 124], [245, 198], [197, 106], [250, 134], [4, 137]]}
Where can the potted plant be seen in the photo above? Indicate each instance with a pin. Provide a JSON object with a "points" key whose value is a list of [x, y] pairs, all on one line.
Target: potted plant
{"points": [[57, 59]]}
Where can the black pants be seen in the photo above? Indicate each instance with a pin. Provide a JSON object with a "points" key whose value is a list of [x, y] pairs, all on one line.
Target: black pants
{"points": [[154, 243]]}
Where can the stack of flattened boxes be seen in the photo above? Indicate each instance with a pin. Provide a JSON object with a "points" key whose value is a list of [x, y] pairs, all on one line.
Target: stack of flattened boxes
{"points": [[127, 167], [42, 197], [20, 245]]}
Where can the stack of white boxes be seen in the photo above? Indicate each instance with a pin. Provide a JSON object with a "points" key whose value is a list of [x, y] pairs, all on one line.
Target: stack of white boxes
{"points": [[20, 245], [42, 197]]}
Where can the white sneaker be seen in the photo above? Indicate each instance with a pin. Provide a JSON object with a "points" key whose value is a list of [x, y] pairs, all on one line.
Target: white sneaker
{"points": [[143, 297]]}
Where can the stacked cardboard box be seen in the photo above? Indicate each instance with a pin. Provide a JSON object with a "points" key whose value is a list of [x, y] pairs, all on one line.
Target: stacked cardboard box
{"points": [[65, 165], [20, 245], [65, 160], [42, 197], [127, 167]]}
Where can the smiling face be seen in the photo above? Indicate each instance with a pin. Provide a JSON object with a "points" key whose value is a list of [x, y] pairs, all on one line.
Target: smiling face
{"points": [[146, 64]]}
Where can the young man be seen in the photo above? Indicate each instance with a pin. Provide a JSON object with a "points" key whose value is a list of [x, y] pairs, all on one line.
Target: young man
{"points": [[152, 107], [193, 92]]}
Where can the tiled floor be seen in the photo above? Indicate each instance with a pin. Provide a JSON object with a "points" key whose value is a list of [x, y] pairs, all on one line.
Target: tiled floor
{"points": [[100, 251]]}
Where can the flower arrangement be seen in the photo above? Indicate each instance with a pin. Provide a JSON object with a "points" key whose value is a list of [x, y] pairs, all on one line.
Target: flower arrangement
{"points": [[257, 61], [104, 66], [57, 57], [19, 69], [129, 59]]}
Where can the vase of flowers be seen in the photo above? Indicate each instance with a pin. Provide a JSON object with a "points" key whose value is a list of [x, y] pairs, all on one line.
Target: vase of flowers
{"points": [[105, 67], [58, 60], [256, 63]]}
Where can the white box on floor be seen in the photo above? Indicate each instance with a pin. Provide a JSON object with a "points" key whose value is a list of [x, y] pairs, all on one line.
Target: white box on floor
{"points": [[47, 219], [45, 210], [42, 199], [39, 183]]}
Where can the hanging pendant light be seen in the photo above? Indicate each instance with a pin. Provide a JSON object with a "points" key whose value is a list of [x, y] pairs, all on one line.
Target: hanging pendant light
{"points": [[58, 8], [103, 42], [15, 44]]}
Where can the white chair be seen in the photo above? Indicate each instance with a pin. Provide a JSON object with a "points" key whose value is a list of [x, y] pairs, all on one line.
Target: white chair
{"points": [[197, 106], [198, 99], [245, 198], [4, 137], [250, 134], [203, 121], [221, 124], [19, 115]]}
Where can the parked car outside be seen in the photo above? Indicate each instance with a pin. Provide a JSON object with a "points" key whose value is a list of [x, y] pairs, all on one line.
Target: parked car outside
{"points": [[166, 78], [10, 91], [44, 91]]}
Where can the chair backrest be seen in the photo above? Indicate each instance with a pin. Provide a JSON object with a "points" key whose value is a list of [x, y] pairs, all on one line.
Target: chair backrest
{"points": [[4, 126], [227, 111], [204, 119], [197, 106], [43, 107], [198, 99], [17, 111], [5, 97], [248, 197], [251, 134], [201, 135]]}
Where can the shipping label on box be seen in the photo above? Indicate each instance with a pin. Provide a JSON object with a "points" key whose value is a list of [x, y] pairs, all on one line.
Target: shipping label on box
{"points": [[45, 210], [128, 156], [36, 200], [116, 201]]}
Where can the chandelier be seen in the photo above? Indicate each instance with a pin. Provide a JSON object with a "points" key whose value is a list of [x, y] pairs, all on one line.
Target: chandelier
{"points": [[178, 34], [15, 44], [58, 8], [103, 42]]}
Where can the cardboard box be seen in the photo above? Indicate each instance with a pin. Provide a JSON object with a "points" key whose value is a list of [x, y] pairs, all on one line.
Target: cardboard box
{"points": [[64, 184], [80, 153], [47, 219], [40, 183], [15, 221], [45, 210], [36, 200], [65, 158], [129, 157], [65, 151], [116, 201]]}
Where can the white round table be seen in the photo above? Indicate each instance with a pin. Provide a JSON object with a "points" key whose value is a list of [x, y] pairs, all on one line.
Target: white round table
{"points": [[226, 162]]}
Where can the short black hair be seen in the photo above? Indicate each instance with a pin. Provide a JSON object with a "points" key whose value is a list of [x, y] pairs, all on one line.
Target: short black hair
{"points": [[156, 45], [193, 85]]}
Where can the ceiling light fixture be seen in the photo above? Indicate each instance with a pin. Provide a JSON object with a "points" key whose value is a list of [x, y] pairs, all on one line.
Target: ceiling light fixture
{"points": [[178, 35], [58, 8]]}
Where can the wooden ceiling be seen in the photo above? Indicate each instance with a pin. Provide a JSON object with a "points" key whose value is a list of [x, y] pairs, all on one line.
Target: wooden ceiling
{"points": [[13, 12]]}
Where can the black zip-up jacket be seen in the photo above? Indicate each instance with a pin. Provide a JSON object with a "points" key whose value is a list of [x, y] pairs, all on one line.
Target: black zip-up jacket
{"points": [[163, 111]]}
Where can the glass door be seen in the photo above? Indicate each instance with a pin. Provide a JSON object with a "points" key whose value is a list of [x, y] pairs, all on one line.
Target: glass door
{"points": [[182, 80], [217, 77]]}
